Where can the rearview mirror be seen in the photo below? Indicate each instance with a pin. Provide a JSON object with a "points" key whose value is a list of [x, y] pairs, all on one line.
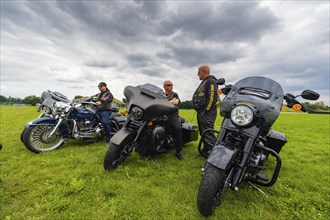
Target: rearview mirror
{"points": [[310, 95], [221, 81]]}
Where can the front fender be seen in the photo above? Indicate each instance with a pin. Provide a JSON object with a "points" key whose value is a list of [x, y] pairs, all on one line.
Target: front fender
{"points": [[44, 120], [123, 134], [221, 156], [52, 121]]}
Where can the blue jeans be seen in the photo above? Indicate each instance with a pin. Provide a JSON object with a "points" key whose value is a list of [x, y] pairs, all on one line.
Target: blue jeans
{"points": [[105, 119]]}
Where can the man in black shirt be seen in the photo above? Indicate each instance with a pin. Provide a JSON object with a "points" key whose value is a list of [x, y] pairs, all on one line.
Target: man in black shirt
{"points": [[174, 119]]}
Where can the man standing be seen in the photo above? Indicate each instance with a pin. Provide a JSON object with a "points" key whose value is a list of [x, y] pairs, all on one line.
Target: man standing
{"points": [[204, 101], [174, 119], [103, 103]]}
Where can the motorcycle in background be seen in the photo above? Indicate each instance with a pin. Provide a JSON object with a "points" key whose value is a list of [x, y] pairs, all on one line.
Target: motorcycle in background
{"points": [[246, 139], [61, 119], [145, 129]]}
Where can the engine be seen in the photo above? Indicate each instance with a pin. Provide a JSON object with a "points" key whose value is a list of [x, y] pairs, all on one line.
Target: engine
{"points": [[85, 125]]}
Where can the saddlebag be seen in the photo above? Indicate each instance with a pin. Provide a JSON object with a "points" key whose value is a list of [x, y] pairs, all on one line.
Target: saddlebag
{"points": [[189, 132], [276, 140]]}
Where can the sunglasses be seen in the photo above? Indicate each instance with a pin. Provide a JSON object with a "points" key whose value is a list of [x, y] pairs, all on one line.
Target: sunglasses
{"points": [[100, 86], [169, 85]]}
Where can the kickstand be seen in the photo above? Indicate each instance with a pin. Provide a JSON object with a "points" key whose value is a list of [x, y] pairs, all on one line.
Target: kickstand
{"points": [[254, 186]]}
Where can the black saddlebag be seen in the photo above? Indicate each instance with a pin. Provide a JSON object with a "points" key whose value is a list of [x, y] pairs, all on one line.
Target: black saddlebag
{"points": [[276, 140], [189, 132]]}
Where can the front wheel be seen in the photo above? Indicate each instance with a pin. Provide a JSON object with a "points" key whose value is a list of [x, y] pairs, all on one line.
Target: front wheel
{"points": [[211, 189], [36, 138], [114, 156]]}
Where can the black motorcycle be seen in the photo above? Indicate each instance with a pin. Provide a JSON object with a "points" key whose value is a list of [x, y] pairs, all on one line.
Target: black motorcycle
{"points": [[245, 141], [61, 119], [145, 129]]}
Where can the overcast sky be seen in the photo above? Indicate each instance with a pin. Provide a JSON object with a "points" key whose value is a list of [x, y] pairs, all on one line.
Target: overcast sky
{"points": [[70, 46]]}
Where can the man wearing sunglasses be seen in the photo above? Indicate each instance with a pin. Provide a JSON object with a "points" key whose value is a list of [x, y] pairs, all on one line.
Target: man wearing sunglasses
{"points": [[103, 102], [174, 119]]}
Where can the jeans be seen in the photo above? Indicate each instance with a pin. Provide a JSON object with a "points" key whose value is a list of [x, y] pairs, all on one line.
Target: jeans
{"points": [[105, 119]]}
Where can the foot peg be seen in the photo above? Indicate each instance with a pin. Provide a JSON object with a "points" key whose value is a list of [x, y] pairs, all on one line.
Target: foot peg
{"points": [[262, 177]]}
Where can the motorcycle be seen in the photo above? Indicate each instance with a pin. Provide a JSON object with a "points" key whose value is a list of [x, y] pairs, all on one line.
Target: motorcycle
{"points": [[245, 140], [145, 129], [61, 119]]}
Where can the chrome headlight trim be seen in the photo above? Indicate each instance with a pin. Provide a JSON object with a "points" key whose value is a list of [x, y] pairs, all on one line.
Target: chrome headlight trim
{"points": [[242, 115], [137, 113]]}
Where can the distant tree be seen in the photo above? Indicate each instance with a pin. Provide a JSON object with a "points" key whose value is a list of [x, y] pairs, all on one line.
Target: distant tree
{"points": [[3, 99], [186, 105], [31, 100], [78, 97]]}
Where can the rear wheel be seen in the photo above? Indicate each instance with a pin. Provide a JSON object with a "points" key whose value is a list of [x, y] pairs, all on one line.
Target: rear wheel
{"points": [[211, 190], [36, 138]]}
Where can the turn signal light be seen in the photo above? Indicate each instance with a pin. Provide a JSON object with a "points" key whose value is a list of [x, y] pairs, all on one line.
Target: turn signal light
{"points": [[150, 123], [219, 92], [296, 107], [126, 112]]}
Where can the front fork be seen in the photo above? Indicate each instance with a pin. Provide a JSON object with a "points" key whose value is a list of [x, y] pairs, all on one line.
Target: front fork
{"points": [[56, 127]]}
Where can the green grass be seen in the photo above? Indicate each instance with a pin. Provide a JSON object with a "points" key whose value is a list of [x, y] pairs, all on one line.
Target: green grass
{"points": [[70, 182]]}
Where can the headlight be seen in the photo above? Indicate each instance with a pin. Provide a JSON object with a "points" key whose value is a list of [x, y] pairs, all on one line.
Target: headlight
{"points": [[137, 113], [59, 106], [242, 115]]}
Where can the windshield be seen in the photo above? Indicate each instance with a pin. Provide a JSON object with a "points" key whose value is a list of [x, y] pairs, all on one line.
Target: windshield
{"points": [[48, 98], [150, 88], [264, 93]]}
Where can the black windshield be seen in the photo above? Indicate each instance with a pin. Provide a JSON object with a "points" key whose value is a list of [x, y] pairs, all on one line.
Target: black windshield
{"points": [[264, 93]]}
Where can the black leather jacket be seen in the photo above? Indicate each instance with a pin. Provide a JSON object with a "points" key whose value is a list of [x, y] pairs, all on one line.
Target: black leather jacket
{"points": [[205, 96]]}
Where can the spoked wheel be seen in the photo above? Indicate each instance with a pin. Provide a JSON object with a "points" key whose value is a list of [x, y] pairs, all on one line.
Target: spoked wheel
{"points": [[36, 138], [212, 188]]}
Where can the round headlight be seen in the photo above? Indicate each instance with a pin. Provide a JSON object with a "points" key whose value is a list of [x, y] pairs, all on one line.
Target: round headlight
{"points": [[241, 115], [137, 113]]}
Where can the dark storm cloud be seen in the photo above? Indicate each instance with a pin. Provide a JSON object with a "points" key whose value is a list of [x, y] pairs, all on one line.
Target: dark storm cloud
{"points": [[76, 41], [227, 22], [139, 60], [99, 64]]}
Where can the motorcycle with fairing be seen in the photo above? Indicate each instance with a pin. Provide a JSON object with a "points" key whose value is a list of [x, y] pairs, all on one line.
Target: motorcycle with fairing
{"points": [[61, 119], [246, 149], [146, 128]]}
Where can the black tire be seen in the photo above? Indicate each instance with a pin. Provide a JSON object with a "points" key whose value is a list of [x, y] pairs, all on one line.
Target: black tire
{"points": [[35, 138], [211, 189], [22, 135], [113, 157]]}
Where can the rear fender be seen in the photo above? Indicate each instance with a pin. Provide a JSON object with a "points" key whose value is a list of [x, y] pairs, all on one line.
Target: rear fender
{"points": [[222, 156], [122, 135]]}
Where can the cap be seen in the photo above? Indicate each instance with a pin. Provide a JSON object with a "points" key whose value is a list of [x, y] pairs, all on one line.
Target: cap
{"points": [[102, 84]]}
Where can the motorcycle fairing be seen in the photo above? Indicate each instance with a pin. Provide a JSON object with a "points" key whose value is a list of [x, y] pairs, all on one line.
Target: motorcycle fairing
{"points": [[121, 135], [48, 98], [150, 99], [222, 156], [52, 121], [264, 93]]}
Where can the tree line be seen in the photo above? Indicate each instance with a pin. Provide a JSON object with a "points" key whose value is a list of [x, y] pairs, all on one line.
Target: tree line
{"points": [[33, 100]]}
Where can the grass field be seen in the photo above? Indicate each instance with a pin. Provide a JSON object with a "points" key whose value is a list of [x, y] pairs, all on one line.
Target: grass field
{"points": [[70, 182]]}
